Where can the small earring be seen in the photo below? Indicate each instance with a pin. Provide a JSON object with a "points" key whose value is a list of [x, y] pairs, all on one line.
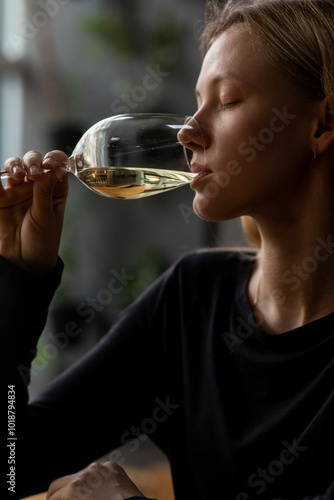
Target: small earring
{"points": [[316, 156]]}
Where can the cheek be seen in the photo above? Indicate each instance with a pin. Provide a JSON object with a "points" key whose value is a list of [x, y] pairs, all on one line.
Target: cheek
{"points": [[233, 141], [247, 131], [252, 156], [258, 146]]}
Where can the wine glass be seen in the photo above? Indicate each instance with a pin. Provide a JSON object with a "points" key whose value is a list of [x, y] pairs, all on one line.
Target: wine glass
{"points": [[134, 155]]}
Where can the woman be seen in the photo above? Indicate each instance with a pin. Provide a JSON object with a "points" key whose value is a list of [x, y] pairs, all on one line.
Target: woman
{"points": [[231, 354]]}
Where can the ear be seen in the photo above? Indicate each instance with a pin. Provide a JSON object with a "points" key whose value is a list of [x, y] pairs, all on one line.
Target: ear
{"points": [[323, 132]]}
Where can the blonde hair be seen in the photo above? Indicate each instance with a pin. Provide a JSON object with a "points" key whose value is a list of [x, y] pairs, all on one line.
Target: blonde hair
{"points": [[297, 35]]}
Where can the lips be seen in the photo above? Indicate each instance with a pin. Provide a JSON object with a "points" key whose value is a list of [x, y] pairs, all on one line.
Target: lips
{"points": [[197, 168], [201, 171]]}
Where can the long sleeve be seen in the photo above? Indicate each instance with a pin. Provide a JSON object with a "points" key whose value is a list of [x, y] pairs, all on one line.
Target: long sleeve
{"points": [[91, 408], [239, 413], [24, 302]]}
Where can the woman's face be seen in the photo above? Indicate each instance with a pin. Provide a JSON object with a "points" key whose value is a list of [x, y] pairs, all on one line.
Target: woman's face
{"points": [[255, 148]]}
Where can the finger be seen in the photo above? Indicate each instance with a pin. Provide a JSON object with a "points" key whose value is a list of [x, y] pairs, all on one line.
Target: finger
{"points": [[57, 161], [32, 162], [55, 158], [50, 193], [60, 483], [120, 477], [15, 169]]}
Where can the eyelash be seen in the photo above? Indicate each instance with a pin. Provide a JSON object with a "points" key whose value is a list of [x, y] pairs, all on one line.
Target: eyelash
{"points": [[222, 107]]}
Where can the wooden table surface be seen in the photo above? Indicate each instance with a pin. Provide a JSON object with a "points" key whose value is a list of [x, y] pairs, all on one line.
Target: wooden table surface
{"points": [[154, 482], [41, 496]]}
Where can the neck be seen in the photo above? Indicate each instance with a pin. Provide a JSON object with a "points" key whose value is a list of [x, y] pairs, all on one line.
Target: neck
{"points": [[292, 283]]}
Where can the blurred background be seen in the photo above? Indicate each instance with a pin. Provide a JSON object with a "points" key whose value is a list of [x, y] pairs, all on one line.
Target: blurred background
{"points": [[66, 64]]}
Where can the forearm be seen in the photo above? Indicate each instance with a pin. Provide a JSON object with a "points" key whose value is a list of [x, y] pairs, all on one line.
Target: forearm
{"points": [[24, 301]]}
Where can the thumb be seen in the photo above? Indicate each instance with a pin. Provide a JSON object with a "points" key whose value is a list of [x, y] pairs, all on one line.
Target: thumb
{"points": [[50, 191]]}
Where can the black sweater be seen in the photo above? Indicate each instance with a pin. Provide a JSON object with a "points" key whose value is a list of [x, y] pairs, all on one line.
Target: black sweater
{"points": [[241, 414]]}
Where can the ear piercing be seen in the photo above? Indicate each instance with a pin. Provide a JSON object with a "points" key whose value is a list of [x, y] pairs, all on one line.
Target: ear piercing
{"points": [[316, 156]]}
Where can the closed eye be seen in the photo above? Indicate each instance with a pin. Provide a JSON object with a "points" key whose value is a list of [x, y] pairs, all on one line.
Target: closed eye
{"points": [[227, 105]]}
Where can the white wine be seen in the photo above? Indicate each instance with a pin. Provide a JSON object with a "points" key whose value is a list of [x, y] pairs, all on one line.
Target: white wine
{"points": [[132, 183]]}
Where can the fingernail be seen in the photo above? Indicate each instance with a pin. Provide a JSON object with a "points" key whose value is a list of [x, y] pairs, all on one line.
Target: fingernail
{"points": [[48, 160], [16, 169], [34, 170]]}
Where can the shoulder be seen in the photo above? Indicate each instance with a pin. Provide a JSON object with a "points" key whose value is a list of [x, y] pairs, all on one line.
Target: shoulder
{"points": [[202, 273], [207, 270], [218, 261]]}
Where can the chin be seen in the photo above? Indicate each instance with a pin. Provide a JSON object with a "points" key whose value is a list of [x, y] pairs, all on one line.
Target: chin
{"points": [[207, 210]]}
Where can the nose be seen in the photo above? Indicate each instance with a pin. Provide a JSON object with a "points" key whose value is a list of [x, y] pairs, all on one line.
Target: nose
{"points": [[191, 137]]}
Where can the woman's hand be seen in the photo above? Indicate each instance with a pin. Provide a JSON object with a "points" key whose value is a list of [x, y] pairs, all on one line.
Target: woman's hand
{"points": [[32, 206], [106, 481]]}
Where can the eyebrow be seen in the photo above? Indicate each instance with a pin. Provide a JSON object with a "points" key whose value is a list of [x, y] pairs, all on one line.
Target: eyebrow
{"points": [[229, 77]]}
